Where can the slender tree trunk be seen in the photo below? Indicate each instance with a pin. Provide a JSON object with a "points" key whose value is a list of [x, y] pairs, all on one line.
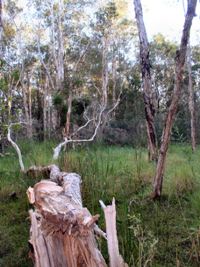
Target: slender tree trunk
{"points": [[68, 116], [105, 72], [1, 24], [148, 94], [49, 115], [114, 80], [180, 61], [191, 100], [39, 114], [45, 110], [1, 30], [60, 69], [30, 128], [104, 87], [26, 109]]}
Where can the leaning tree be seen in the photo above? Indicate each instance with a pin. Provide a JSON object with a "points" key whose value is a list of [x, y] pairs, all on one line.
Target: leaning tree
{"points": [[179, 69]]}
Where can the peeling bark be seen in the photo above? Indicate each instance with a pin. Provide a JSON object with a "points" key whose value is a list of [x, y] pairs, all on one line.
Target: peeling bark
{"points": [[148, 94], [179, 67], [62, 231]]}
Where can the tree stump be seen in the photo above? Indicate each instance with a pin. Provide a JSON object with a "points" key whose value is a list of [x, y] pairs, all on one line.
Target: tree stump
{"points": [[62, 230]]}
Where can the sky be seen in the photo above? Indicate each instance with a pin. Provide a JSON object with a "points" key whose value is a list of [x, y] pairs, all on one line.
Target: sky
{"points": [[167, 17], [162, 16]]}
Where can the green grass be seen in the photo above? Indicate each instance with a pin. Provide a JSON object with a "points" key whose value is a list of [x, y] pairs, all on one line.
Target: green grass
{"points": [[167, 231]]}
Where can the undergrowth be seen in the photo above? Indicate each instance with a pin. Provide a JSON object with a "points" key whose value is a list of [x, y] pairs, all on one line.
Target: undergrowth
{"points": [[161, 233]]}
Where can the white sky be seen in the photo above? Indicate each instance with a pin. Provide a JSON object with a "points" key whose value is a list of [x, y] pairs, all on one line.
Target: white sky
{"points": [[163, 16], [167, 17]]}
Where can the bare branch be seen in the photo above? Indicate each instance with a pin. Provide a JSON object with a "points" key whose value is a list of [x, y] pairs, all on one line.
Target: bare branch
{"points": [[66, 141], [15, 146], [81, 57], [82, 127]]}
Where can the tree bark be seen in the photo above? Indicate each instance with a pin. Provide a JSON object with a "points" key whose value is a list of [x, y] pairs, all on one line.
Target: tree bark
{"points": [[45, 109], [1, 30], [27, 112], [60, 69], [148, 94], [191, 100], [62, 231], [1, 24], [179, 67], [68, 115], [30, 110]]}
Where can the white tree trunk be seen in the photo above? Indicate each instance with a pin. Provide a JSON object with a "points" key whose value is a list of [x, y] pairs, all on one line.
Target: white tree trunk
{"points": [[15, 146], [116, 259], [27, 114], [191, 100]]}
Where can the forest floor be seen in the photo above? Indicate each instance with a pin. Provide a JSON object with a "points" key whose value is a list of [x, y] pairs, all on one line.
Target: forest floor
{"points": [[151, 233]]}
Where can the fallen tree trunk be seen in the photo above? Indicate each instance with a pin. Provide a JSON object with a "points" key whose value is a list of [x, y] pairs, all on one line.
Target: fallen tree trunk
{"points": [[62, 230]]}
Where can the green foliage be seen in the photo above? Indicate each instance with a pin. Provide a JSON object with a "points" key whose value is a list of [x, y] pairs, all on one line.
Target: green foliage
{"points": [[15, 75], [160, 233], [125, 174], [57, 100], [3, 84], [78, 107], [105, 15], [145, 242]]}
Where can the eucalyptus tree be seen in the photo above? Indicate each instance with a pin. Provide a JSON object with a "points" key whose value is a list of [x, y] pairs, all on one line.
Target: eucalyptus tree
{"points": [[9, 78], [110, 45], [104, 75], [179, 68], [191, 95], [1, 26], [148, 91]]}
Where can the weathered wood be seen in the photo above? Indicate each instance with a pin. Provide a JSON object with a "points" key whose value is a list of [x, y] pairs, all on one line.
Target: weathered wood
{"points": [[15, 146], [62, 230], [116, 259]]}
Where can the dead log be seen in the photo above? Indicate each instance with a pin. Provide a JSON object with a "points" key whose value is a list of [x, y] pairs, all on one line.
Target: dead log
{"points": [[62, 230]]}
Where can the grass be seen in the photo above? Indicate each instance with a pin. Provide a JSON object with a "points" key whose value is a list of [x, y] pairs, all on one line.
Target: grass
{"points": [[161, 233]]}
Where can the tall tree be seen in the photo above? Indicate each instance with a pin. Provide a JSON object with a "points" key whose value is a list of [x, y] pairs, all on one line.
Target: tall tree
{"points": [[191, 100], [148, 94], [1, 24], [179, 68], [191, 94]]}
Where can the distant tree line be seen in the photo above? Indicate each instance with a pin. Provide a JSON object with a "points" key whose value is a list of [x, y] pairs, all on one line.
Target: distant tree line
{"points": [[61, 66]]}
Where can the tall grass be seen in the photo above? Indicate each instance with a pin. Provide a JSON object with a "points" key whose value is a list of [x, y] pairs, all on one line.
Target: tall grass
{"points": [[163, 233]]}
